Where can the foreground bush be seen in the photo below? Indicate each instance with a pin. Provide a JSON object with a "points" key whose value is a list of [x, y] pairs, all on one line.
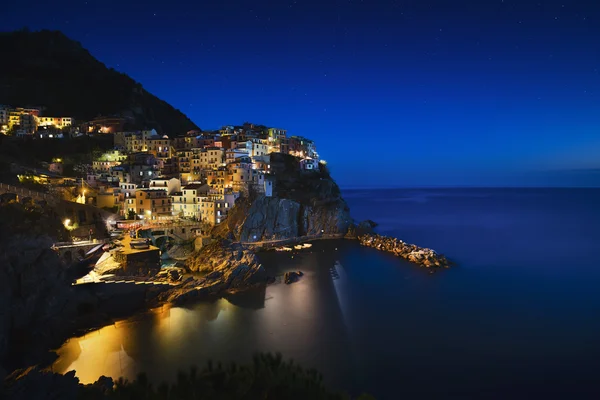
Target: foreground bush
{"points": [[268, 377]]}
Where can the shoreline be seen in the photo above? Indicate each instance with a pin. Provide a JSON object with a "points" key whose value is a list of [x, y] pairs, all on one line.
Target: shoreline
{"points": [[268, 245], [132, 299]]}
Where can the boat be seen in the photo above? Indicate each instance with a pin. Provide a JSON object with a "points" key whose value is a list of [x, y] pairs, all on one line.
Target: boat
{"points": [[307, 245], [298, 247], [283, 249]]}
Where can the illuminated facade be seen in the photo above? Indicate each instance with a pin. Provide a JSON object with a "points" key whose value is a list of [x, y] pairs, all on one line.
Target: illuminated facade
{"points": [[154, 205], [160, 146], [59, 122]]}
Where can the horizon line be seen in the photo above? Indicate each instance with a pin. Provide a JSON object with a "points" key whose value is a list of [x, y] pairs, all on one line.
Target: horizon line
{"points": [[464, 187]]}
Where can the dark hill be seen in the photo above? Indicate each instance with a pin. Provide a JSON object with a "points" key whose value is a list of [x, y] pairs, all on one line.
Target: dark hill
{"points": [[47, 69]]}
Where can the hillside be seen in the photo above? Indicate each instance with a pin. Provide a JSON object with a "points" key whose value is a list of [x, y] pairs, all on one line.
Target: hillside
{"points": [[48, 69]]}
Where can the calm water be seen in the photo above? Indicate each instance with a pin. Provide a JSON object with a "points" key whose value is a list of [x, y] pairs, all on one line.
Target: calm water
{"points": [[519, 317]]}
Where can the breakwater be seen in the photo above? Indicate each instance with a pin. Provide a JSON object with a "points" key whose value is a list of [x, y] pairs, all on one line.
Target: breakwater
{"points": [[410, 252]]}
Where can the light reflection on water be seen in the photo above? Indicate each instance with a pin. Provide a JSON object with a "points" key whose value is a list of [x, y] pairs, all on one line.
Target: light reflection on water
{"points": [[517, 317], [302, 320]]}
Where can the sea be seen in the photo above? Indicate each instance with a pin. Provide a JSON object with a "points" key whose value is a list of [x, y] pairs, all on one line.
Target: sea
{"points": [[517, 317]]}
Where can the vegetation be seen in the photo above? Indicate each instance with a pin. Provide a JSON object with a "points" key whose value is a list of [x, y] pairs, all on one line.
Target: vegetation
{"points": [[48, 69], [268, 377], [305, 187], [32, 153], [30, 219]]}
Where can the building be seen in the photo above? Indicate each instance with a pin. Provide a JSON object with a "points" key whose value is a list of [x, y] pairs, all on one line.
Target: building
{"points": [[207, 158], [309, 164], [204, 141], [233, 154], [108, 160], [171, 185], [186, 203], [59, 122], [127, 191], [276, 133], [22, 121], [160, 146], [4, 111], [133, 141], [153, 205], [215, 207], [184, 142], [256, 147], [269, 185], [104, 125], [109, 198], [184, 161], [302, 147], [261, 163], [119, 139], [217, 178]]}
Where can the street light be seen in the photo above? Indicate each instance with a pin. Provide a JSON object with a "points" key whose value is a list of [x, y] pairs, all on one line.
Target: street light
{"points": [[66, 223]]}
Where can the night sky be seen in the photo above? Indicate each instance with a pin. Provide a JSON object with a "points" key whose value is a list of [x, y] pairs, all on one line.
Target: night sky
{"points": [[395, 93]]}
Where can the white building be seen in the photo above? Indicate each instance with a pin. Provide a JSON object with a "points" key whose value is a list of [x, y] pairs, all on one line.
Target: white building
{"points": [[171, 185], [256, 147], [186, 203], [309, 164]]}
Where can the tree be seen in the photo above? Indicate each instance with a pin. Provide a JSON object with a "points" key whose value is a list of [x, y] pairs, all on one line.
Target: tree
{"points": [[131, 215]]}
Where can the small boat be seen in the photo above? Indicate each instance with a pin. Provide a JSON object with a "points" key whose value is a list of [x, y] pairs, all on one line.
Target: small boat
{"points": [[307, 245], [298, 247], [286, 248]]}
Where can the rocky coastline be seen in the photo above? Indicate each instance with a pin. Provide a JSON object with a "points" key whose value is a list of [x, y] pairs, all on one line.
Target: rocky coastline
{"points": [[423, 257], [39, 306]]}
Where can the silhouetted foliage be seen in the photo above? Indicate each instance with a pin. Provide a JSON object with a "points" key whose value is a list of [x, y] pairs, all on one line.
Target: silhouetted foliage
{"points": [[30, 219], [31, 152], [268, 377]]}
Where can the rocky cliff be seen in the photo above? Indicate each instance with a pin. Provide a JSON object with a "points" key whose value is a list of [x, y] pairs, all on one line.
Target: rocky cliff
{"points": [[36, 297], [304, 203], [229, 266]]}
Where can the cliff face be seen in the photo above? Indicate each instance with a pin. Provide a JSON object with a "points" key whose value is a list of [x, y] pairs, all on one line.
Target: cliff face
{"points": [[48, 69], [305, 203], [34, 292], [36, 297]]}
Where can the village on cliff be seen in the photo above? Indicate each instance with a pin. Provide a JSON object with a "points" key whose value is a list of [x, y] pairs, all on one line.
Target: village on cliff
{"points": [[171, 193], [156, 179]]}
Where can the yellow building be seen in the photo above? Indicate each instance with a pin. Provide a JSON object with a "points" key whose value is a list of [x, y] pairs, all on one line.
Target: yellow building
{"points": [[275, 133], [109, 198], [59, 122], [154, 205]]}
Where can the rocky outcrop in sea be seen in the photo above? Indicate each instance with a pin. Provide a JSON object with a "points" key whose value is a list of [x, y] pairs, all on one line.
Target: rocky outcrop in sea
{"points": [[422, 256]]}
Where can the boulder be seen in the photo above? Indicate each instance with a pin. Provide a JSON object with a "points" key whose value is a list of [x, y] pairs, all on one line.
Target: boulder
{"points": [[292, 276]]}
